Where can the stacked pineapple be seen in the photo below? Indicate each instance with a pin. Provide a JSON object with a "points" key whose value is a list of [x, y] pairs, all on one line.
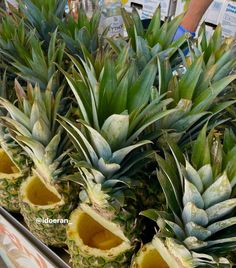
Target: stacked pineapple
{"points": [[106, 139], [199, 227], [92, 141]]}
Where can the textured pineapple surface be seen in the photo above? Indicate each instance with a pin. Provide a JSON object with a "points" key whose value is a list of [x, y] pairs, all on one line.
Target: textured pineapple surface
{"points": [[96, 243], [38, 203], [10, 181]]}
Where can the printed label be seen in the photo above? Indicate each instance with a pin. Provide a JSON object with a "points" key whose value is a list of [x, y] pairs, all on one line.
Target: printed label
{"points": [[114, 24]]}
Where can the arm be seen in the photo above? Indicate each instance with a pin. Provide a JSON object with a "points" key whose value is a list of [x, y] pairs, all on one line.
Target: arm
{"points": [[194, 14]]}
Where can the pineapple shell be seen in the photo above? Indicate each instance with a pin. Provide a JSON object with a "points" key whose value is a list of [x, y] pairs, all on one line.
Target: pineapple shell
{"points": [[9, 189], [39, 204], [95, 241], [163, 254], [10, 181]]}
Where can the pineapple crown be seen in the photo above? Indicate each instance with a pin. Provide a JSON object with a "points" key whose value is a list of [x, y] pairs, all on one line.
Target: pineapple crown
{"points": [[198, 188], [196, 95], [25, 55], [196, 85], [104, 171], [44, 16], [81, 33], [32, 123], [8, 144], [218, 51], [156, 40], [115, 87], [115, 107]]}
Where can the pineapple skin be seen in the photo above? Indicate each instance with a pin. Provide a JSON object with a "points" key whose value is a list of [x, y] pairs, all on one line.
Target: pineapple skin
{"points": [[9, 192], [53, 234], [10, 185], [171, 253], [81, 260]]}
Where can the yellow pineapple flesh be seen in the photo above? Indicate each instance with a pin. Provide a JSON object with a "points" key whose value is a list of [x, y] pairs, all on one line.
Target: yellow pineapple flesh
{"points": [[38, 194], [6, 164], [95, 235]]}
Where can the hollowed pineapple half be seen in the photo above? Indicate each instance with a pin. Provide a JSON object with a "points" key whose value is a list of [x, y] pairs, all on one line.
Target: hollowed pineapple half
{"points": [[163, 254], [94, 241], [10, 181], [46, 209]]}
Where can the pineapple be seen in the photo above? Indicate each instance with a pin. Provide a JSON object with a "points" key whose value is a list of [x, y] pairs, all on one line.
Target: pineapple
{"points": [[156, 40], [158, 255], [198, 186], [10, 180], [81, 33], [114, 108], [198, 89], [24, 54], [43, 16], [95, 238], [196, 83], [51, 14], [44, 195], [14, 165]]}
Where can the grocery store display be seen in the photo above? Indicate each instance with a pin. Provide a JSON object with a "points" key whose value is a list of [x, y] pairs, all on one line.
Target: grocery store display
{"points": [[121, 148]]}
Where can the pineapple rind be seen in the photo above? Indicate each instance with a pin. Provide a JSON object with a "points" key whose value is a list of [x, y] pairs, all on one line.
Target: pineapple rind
{"points": [[9, 189], [86, 257], [81, 260], [174, 255], [10, 183], [53, 234]]}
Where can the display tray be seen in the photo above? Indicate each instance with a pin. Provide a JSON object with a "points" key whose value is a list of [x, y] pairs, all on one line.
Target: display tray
{"points": [[20, 249]]}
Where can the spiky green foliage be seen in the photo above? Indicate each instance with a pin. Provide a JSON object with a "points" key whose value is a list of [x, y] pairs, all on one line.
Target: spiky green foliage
{"points": [[44, 16], [157, 39], [197, 96], [218, 52], [10, 184], [81, 33], [47, 16], [33, 124], [114, 105], [114, 86], [197, 83], [24, 53], [198, 188]]}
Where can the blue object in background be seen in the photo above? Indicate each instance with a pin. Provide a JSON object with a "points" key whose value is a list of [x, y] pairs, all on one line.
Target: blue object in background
{"points": [[181, 31], [67, 8]]}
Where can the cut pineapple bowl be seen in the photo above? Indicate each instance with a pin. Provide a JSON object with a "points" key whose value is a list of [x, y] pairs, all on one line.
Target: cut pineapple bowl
{"points": [[7, 167], [96, 235], [10, 181], [150, 258], [36, 193]]}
